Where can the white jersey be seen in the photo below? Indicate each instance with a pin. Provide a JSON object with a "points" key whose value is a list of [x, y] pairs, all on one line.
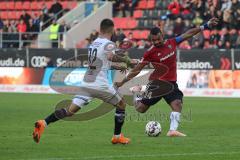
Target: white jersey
{"points": [[99, 66]]}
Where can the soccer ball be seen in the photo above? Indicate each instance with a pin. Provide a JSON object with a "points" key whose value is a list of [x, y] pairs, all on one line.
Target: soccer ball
{"points": [[153, 129]]}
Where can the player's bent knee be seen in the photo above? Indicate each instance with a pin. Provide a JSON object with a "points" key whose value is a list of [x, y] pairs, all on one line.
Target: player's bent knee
{"points": [[121, 104], [177, 105], [140, 110]]}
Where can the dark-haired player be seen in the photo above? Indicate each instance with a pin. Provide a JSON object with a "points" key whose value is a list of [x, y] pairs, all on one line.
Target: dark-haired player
{"points": [[162, 55], [95, 85]]}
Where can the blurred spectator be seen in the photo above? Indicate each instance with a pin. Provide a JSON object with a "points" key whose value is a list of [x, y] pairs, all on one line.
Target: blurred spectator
{"points": [[226, 5], [55, 9], [184, 45], [221, 45], [119, 36], [93, 35], [54, 28], [6, 25], [187, 25], [233, 38], [198, 6], [196, 45], [207, 45], [214, 38], [175, 7], [236, 16], [219, 15], [142, 44], [22, 27], [130, 37], [32, 28], [197, 21], [44, 21], [63, 28], [198, 40], [44, 8], [238, 40], [227, 18], [178, 27], [25, 17], [36, 22], [1, 25], [224, 35], [127, 5]]}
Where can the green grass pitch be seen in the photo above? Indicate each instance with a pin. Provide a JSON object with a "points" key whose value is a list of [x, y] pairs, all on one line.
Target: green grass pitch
{"points": [[212, 126]]}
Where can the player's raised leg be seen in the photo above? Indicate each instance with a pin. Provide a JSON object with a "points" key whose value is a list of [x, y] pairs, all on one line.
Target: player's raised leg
{"points": [[119, 118], [61, 113]]}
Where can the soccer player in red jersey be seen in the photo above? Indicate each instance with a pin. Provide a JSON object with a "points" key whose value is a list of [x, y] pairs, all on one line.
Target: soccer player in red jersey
{"points": [[162, 55]]}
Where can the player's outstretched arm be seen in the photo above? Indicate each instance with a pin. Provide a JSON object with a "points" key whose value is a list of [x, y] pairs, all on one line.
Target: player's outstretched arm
{"points": [[119, 66], [116, 58], [134, 72], [192, 32]]}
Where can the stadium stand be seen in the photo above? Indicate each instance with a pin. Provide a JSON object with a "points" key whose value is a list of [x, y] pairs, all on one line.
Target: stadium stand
{"points": [[37, 15], [138, 16], [176, 16]]}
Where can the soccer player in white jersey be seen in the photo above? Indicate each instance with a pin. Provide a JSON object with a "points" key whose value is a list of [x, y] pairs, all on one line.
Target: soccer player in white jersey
{"points": [[96, 85]]}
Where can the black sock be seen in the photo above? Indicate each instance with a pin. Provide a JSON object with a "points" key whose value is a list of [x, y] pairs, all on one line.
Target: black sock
{"points": [[55, 116], [119, 120]]}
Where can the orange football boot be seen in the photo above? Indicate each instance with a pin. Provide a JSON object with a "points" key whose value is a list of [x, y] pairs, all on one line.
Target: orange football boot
{"points": [[175, 134], [121, 139], [38, 130]]}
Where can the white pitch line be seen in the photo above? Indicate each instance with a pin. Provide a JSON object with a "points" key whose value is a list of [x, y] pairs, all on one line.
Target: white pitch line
{"points": [[138, 156]]}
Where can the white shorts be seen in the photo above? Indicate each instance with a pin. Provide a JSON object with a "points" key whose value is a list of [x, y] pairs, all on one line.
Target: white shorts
{"points": [[109, 95]]}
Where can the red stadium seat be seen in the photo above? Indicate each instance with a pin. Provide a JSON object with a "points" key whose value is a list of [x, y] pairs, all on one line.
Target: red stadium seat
{"points": [[34, 5], [12, 15], [4, 14], [18, 14], [18, 5], [144, 34], [138, 14], [142, 4], [3, 5], [65, 4], [151, 4], [74, 4], [49, 4], [10, 5], [206, 34], [26, 5], [132, 23]]}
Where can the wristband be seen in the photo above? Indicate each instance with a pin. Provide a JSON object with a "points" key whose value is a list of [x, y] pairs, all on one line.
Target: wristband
{"points": [[204, 26]]}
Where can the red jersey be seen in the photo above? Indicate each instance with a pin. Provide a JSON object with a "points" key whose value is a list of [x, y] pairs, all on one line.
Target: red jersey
{"points": [[164, 61]]}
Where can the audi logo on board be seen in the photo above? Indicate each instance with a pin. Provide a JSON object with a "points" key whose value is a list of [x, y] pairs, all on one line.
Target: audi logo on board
{"points": [[38, 61]]}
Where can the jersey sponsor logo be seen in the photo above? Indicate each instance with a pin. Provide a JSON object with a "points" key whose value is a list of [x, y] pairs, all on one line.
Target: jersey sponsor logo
{"points": [[110, 46], [167, 56]]}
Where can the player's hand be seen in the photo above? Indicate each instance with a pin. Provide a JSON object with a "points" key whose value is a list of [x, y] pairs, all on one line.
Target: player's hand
{"points": [[118, 84], [212, 22], [123, 70]]}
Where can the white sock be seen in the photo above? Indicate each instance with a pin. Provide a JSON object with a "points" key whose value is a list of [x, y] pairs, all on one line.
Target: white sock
{"points": [[117, 136], [45, 123], [174, 120]]}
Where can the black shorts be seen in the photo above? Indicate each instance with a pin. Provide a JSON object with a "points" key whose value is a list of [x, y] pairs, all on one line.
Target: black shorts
{"points": [[157, 89]]}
